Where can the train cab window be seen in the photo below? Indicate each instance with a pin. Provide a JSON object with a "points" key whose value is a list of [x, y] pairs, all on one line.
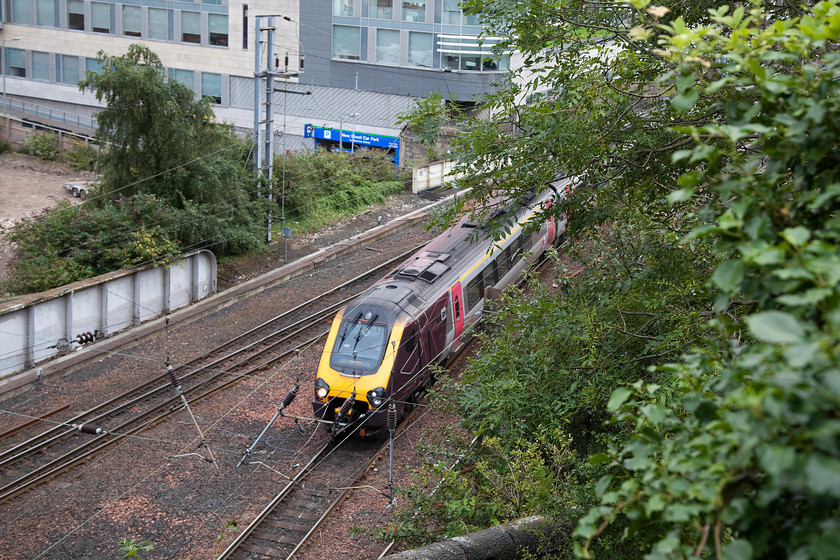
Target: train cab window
{"points": [[359, 346]]}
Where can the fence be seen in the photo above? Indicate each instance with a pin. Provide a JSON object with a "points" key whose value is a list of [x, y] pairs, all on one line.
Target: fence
{"points": [[40, 326], [42, 112]]}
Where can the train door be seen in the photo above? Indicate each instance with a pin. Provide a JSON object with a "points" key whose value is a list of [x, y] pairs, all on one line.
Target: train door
{"points": [[457, 313], [435, 331]]}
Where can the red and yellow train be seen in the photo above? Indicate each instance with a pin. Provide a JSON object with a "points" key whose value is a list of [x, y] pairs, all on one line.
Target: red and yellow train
{"points": [[421, 313]]}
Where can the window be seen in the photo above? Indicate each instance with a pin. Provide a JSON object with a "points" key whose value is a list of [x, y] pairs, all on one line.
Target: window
{"points": [[45, 13], [131, 21], [159, 24], [474, 292], [100, 17], [342, 7], [470, 62], [186, 77], [452, 61], [451, 12], [245, 27], [76, 14], [16, 62], [387, 46], [457, 306], [22, 12], [347, 42], [93, 65], [382, 9], [41, 66], [70, 69], [420, 49], [211, 86], [489, 275], [218, 27], [503, 262], [360, 347], [414, 10], [191, 27]]}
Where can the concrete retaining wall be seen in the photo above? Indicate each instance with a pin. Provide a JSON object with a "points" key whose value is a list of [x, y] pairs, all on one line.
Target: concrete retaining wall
{"points": [[432, 175], [41, 326]]}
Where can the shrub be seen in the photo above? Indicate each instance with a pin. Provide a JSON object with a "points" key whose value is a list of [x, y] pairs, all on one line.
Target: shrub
{"points": [[80, 156], [43, 145], [5, 146]]}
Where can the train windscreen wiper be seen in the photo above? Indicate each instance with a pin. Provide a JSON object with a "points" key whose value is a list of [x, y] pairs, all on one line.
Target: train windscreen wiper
{"points": [[349, 326]]}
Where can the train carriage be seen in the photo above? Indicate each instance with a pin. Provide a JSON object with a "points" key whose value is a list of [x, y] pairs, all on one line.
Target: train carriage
{"points": [[379, 346]]}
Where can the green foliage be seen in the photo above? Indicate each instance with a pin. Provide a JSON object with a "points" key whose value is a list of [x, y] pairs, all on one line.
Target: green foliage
{"points": [[742, 459], [322, 186], [229, 526], [70, 243], [80, 156], [5, 146], [132, 549], [425, 119], [43, 145]]}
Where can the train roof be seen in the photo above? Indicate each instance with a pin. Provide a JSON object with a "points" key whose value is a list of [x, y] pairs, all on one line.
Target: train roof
{"points": [[429, 273]]}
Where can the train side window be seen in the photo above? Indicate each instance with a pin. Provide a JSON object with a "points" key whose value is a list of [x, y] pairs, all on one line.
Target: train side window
{"points": [[503, 261], [457, 305], [473, 292], [489, 275]]}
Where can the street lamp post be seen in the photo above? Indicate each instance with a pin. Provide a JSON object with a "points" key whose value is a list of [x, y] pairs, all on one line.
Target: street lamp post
{"points": [[341, 130], [6, 67]]}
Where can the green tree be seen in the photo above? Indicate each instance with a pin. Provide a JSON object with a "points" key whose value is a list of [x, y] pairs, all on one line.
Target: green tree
{"points": [[742, 460], [425, 119]]}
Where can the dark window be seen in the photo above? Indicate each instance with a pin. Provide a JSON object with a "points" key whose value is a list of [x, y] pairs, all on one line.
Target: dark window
{"points": [[457, 306], [503, 262], [245, 26], [217, 24], [76, 14], [191, 27], [359, 347], [474, 291], [410, 341]]}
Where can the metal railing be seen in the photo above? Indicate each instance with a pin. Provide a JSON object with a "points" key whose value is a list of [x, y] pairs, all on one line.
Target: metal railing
{"points": [[55, 115]]}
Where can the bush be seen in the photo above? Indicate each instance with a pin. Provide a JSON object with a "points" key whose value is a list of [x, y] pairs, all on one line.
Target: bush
{"points": [[5, 146], [43, 145], [80, 156]]}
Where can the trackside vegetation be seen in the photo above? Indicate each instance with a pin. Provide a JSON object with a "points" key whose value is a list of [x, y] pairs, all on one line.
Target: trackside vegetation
{"points": [[674, 392], [173, 180]]}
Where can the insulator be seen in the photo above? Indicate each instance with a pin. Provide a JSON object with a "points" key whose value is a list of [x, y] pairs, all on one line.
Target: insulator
{"points": [[277, 62], [347, 405], [290, 396], [286, 61], [392, 417], [301, 63], [89, 429], [173, 378]]}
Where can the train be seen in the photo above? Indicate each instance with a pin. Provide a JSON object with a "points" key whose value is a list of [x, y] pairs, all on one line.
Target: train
{"points": [[379, 348]]}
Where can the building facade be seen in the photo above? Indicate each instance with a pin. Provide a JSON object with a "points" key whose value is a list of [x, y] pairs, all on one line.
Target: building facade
{"points": [[362, 62]]}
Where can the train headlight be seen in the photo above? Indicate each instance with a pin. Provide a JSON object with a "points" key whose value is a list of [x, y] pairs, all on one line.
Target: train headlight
{"points": [[376, 397], [321, 389]]}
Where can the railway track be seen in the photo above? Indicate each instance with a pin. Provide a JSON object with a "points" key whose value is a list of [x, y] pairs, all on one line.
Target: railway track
{"points": [[246, 355]]}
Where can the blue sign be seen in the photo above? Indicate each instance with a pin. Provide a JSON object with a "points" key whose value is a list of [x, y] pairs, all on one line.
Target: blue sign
{"points": [[351, 137]]}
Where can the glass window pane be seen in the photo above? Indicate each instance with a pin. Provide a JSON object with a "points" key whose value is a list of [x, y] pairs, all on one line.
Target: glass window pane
{"points": [[342, 7], [211, 85], [450, 60], [45, 13], [191, 27], [76, 14], [100, 17], [41, 66], [158, 23], [420, 49], [186, 77], [70, 69], [451, 12], [217, 24], [387, 46], [131, 20], [382, 9], [16, 62], [347, 42], [414, 10], [22, 11], [470, 62], [93, 65]]}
